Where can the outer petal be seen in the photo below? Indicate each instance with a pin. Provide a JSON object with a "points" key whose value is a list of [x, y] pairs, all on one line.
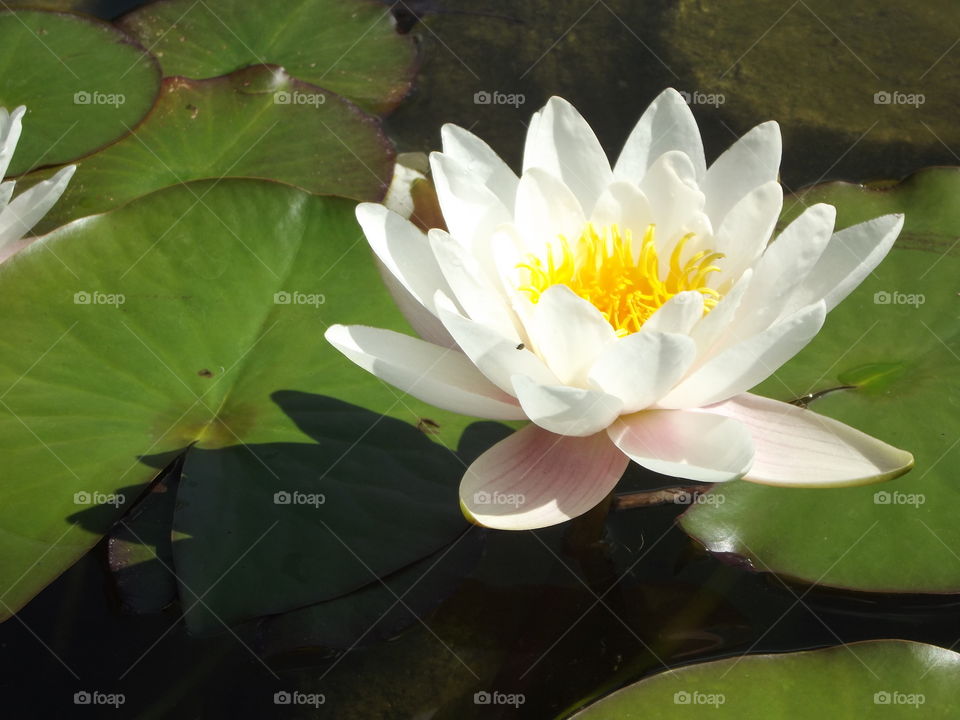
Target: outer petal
{"points": [[667, 124], [566, 410], [535, 479], [687, 444], [849, 257], [439, 376], [25, 210], [641, 368], [568, 333], [562, 143], [481, 162], [741, 366], [11, 124], [751, 161], [423, 321], [797, 447]]}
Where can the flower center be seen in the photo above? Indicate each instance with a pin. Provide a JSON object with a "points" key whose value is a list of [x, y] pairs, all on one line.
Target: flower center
{"points": [[621, 281]]}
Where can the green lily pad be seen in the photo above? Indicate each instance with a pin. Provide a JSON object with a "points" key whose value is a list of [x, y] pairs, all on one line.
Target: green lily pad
{"points": [[85, 83], [171, 326], [347, 46], [258, 122], [896, 341], [879, 678]]}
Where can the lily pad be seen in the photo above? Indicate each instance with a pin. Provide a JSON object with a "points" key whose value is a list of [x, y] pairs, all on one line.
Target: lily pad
{"points": [[880, 678], [258, 122], [85, 83], [346, 46], [890, 353], [174, 326]]}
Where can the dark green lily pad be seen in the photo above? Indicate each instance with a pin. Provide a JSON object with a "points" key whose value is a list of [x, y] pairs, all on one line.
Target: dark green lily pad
{"points": [[85, 83], [258, 122], [880, 678], [171, 324], [896, 339], [346, 46]]}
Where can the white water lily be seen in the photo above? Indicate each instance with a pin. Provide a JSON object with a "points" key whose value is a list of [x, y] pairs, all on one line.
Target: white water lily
{"points": [[18, 216], [625, 311]]}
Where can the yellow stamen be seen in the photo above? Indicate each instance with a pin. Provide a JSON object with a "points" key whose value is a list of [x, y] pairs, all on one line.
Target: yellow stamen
{"points": [[625, 286]]}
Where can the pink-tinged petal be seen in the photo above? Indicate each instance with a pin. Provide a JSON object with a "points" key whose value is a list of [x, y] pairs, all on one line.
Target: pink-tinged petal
{"points": [[751, 161], [568, 333], [535, 479], [749, 362], [667, 124], [643, 367], [686, 444], [562, 143], [799, 448], [439, 376], [566, 410], [471, 210], [677, 315], [849, 257], [423, 321], [480, 161], [497, 356]]}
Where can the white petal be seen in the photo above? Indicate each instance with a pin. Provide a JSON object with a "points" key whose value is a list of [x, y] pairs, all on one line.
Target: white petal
{"points": [[10, 126], [407, 171], [797, 447], [562, 143], [849, 257], [470, 209], [622, 204], [546, 209], [439, 376], [535, 479], [423, 321], [29, 206], [404, 250], [568, 333], [566, 410], [497, 356], [6, 191], [709, 331], [677, 315], [686, 444], [641, 368], [481, 162], [749, 362], [675, 201], [751, 161], [476, 292], [667, 124], [745, 232]]}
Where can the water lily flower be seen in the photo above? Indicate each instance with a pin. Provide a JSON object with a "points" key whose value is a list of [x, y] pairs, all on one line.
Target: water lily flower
{"points": [[625, 311], [18, 216]]}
